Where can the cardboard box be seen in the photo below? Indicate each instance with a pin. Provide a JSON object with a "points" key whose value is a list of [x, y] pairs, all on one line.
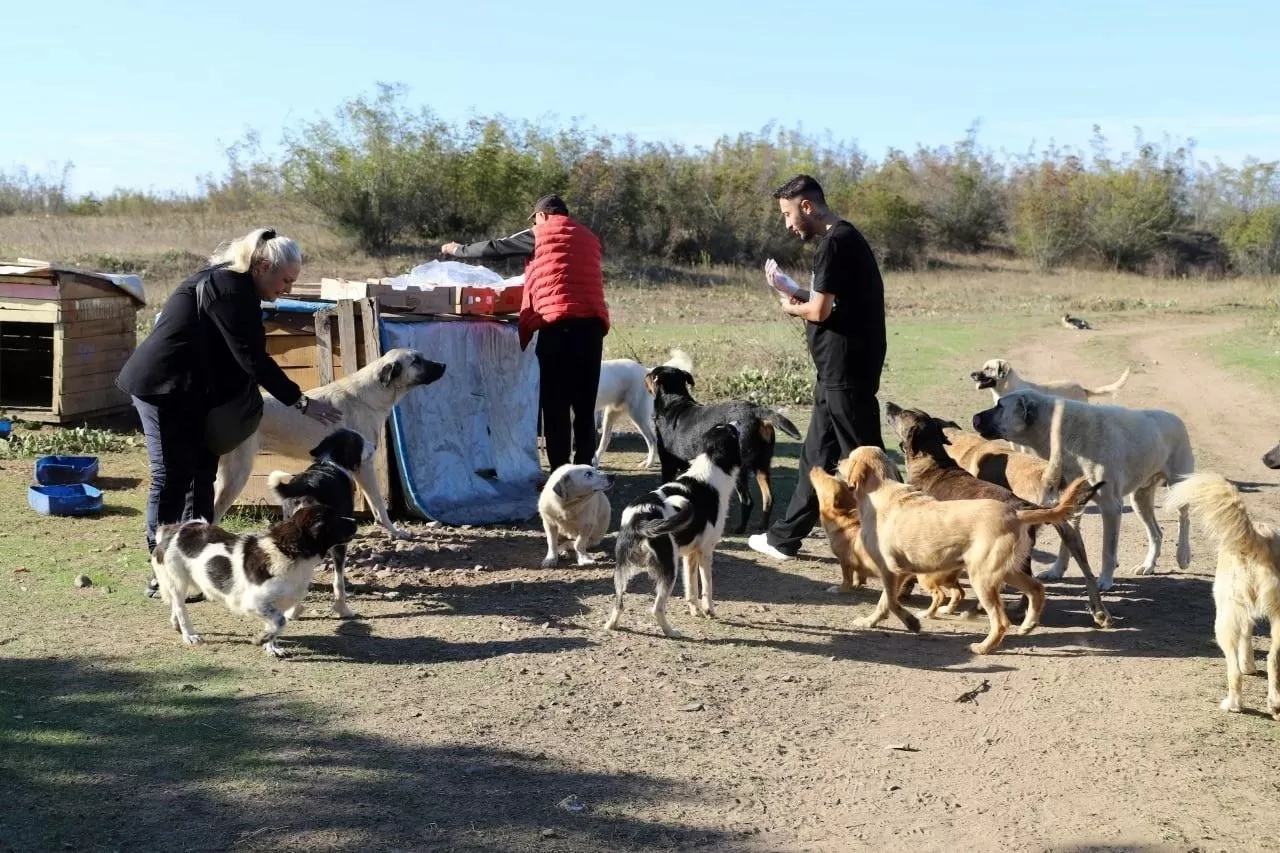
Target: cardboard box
{"points": [[488, 301], [411, 300]]}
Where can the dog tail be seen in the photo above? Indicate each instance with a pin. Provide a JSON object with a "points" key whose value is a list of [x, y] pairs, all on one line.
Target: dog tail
{"points": [[1072, 501], [1107, 390], [778, 419], [1216, 503], [652, 528], [280, 484], [680, 360], [1051, 479]]}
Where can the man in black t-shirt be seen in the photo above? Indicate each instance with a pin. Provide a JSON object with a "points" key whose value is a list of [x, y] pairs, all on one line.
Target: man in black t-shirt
{"points": [[844, 323]]}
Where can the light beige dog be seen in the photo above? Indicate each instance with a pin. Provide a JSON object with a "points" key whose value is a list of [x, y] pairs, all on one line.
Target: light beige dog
{"points": [[1130, 451], [365, 399], [1246, 583], [999, 377], [574, 509]]}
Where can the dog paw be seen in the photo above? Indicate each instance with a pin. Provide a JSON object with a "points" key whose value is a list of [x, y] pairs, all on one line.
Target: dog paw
{"points": [[1051, 574], [585, 560], [1144, 569], [193, 639], [842, 589], [706, 610], [923, 613], [865, 622], [693, 609], [399, 534], [1231, 704], [550, 561], [671, 633], [344, 611], [1106, 584], [978, 649], [272, 649]]}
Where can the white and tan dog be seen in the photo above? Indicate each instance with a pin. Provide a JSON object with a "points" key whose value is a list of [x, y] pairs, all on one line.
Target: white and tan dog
{"points": [[998, 375], [264, 575], [622, 392], [1130, 451], [365, 399], [574, 509], [1246, 583]]}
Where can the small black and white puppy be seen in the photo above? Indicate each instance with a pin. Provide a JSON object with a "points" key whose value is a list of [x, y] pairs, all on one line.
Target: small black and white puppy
{"points": [[683, 518], [330, 481], [680, 422], [265, 575]]}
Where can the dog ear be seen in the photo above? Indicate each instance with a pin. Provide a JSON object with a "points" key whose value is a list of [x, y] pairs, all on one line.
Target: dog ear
{"points": [[1027, 409], [1003, 370], [949, 425], [688, 377], [559, 489], [648, 384], [390, 372]]}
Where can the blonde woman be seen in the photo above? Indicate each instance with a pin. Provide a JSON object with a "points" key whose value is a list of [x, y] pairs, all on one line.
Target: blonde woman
{"points": [[194, 380]]}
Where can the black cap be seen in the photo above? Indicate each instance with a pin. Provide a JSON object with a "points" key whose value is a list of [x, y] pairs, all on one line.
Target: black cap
{"points": [[550, 203]]}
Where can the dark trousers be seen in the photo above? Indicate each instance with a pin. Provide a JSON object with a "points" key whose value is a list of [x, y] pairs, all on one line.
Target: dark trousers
{"points": [[842, 420], [569, 353], [183, 469]]}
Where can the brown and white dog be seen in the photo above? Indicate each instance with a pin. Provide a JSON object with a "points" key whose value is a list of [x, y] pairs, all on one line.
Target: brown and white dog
{"points": [[264, 575]]}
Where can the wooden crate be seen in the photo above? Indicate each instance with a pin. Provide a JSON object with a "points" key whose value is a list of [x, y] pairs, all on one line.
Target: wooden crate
{"points": [[314, 350], [64, 335]]}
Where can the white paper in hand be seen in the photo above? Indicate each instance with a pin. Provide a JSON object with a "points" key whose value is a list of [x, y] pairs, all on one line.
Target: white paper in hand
{"points": [[778, 280]]}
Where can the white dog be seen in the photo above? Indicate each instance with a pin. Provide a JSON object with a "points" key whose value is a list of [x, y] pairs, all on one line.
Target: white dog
{"points": [[1130, 451], [998, 375], [622, 392], [365, 399], [574, 509]]}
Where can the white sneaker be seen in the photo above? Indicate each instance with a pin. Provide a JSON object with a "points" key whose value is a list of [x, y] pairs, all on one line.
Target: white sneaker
{"points": [[759, 543]]}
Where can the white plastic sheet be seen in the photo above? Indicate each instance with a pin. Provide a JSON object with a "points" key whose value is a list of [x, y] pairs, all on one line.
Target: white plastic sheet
{"points": [[466, 446]]}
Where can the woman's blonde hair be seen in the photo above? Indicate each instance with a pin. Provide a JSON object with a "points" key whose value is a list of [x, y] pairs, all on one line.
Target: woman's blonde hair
{"points": [[261, 244]]}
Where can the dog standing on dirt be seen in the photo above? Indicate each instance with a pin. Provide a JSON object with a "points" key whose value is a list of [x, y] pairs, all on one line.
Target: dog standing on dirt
{"points": [[329, 481], [365, 399], [1246, 583], [684, 519], [998, 376], [264, 575], [574, 508], [906, 531], [934, 472], [682, 422], [1133, 451], [622, 392]]}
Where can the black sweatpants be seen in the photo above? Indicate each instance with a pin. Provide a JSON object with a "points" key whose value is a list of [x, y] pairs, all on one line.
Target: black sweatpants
{"points": [[183, 469], [843, 419], [569, 354]]}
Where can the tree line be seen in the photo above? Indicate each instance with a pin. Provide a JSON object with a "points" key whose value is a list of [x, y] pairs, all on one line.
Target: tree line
{"points": [[393, 176]]}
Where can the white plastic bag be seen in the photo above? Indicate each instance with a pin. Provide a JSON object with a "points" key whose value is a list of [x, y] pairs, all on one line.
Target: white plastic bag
{"points": [[778, 280], [446, 274]]}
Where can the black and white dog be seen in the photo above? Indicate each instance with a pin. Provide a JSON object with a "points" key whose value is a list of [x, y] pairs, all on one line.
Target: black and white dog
{"points": [[683, 518], [682, 421], [330, 481], [265, 575]]}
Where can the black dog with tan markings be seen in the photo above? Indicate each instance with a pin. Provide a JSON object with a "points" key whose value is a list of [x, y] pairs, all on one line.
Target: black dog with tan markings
{"points": [[264, 575]]}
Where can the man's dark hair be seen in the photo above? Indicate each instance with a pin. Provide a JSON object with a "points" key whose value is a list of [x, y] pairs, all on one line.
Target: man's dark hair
{"points": [[802, 186]]}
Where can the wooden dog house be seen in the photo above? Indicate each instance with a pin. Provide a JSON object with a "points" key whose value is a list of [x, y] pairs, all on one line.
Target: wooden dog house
{"points": [[64, 335]]}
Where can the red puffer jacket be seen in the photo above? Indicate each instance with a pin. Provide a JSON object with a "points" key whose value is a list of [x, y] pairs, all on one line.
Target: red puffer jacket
{"points": [[563, 278]]}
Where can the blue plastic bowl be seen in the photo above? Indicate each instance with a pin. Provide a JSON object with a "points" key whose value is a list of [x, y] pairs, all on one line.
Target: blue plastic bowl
{"points": [[6, 427], [76, 499], [66, 470]]}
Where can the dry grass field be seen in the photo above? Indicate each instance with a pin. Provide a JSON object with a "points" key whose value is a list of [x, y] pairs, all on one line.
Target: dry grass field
{"points": [[477, 706]]}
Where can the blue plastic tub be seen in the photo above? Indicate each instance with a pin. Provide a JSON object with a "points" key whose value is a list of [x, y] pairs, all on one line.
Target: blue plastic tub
{"points": [[75, 499], [6, 428], [66, 470]]}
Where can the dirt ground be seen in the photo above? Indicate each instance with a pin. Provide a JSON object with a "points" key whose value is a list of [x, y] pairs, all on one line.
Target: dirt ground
{"points": [[476, 704]]}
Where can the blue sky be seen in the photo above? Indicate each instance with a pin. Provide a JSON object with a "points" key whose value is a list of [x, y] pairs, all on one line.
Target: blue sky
{"points": [[146, 94]]}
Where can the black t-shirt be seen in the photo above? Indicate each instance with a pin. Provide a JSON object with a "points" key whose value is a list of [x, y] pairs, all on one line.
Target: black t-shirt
{"points": [[848, 347]]}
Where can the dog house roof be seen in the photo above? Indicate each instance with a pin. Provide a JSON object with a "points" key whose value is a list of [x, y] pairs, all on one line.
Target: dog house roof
{"points": [[129, 283]]}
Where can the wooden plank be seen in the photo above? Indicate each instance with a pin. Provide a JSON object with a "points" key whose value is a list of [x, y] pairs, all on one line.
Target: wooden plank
{"points": [[74, 384], [43, 290], [347, 337], [372, 352], [94, 328], [78, 364], [324, 346], [86, 402], [59, 350]]}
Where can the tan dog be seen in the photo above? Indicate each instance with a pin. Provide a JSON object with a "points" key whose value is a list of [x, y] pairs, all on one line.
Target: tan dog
{"points": [[907, 531], [998, 376], [838, 510], [1246, 583], [574, 509], [997, 462]]}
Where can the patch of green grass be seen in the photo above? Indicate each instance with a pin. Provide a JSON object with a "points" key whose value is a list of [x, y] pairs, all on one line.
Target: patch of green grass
{"points": [[1253, 350]]}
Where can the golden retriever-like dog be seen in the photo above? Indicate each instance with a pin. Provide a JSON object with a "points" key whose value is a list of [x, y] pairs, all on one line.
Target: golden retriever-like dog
{"points": [[838, 511], [905, 530], [1246, 583]]}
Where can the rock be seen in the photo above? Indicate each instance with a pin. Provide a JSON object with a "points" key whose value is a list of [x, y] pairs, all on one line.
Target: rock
{"points": [[691, 707], [572, 804], [548, 833], [393, 595], [82, 582]]}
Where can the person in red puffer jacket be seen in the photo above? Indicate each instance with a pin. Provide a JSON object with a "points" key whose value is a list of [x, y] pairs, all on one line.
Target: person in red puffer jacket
{"points": [[564, 305]]}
